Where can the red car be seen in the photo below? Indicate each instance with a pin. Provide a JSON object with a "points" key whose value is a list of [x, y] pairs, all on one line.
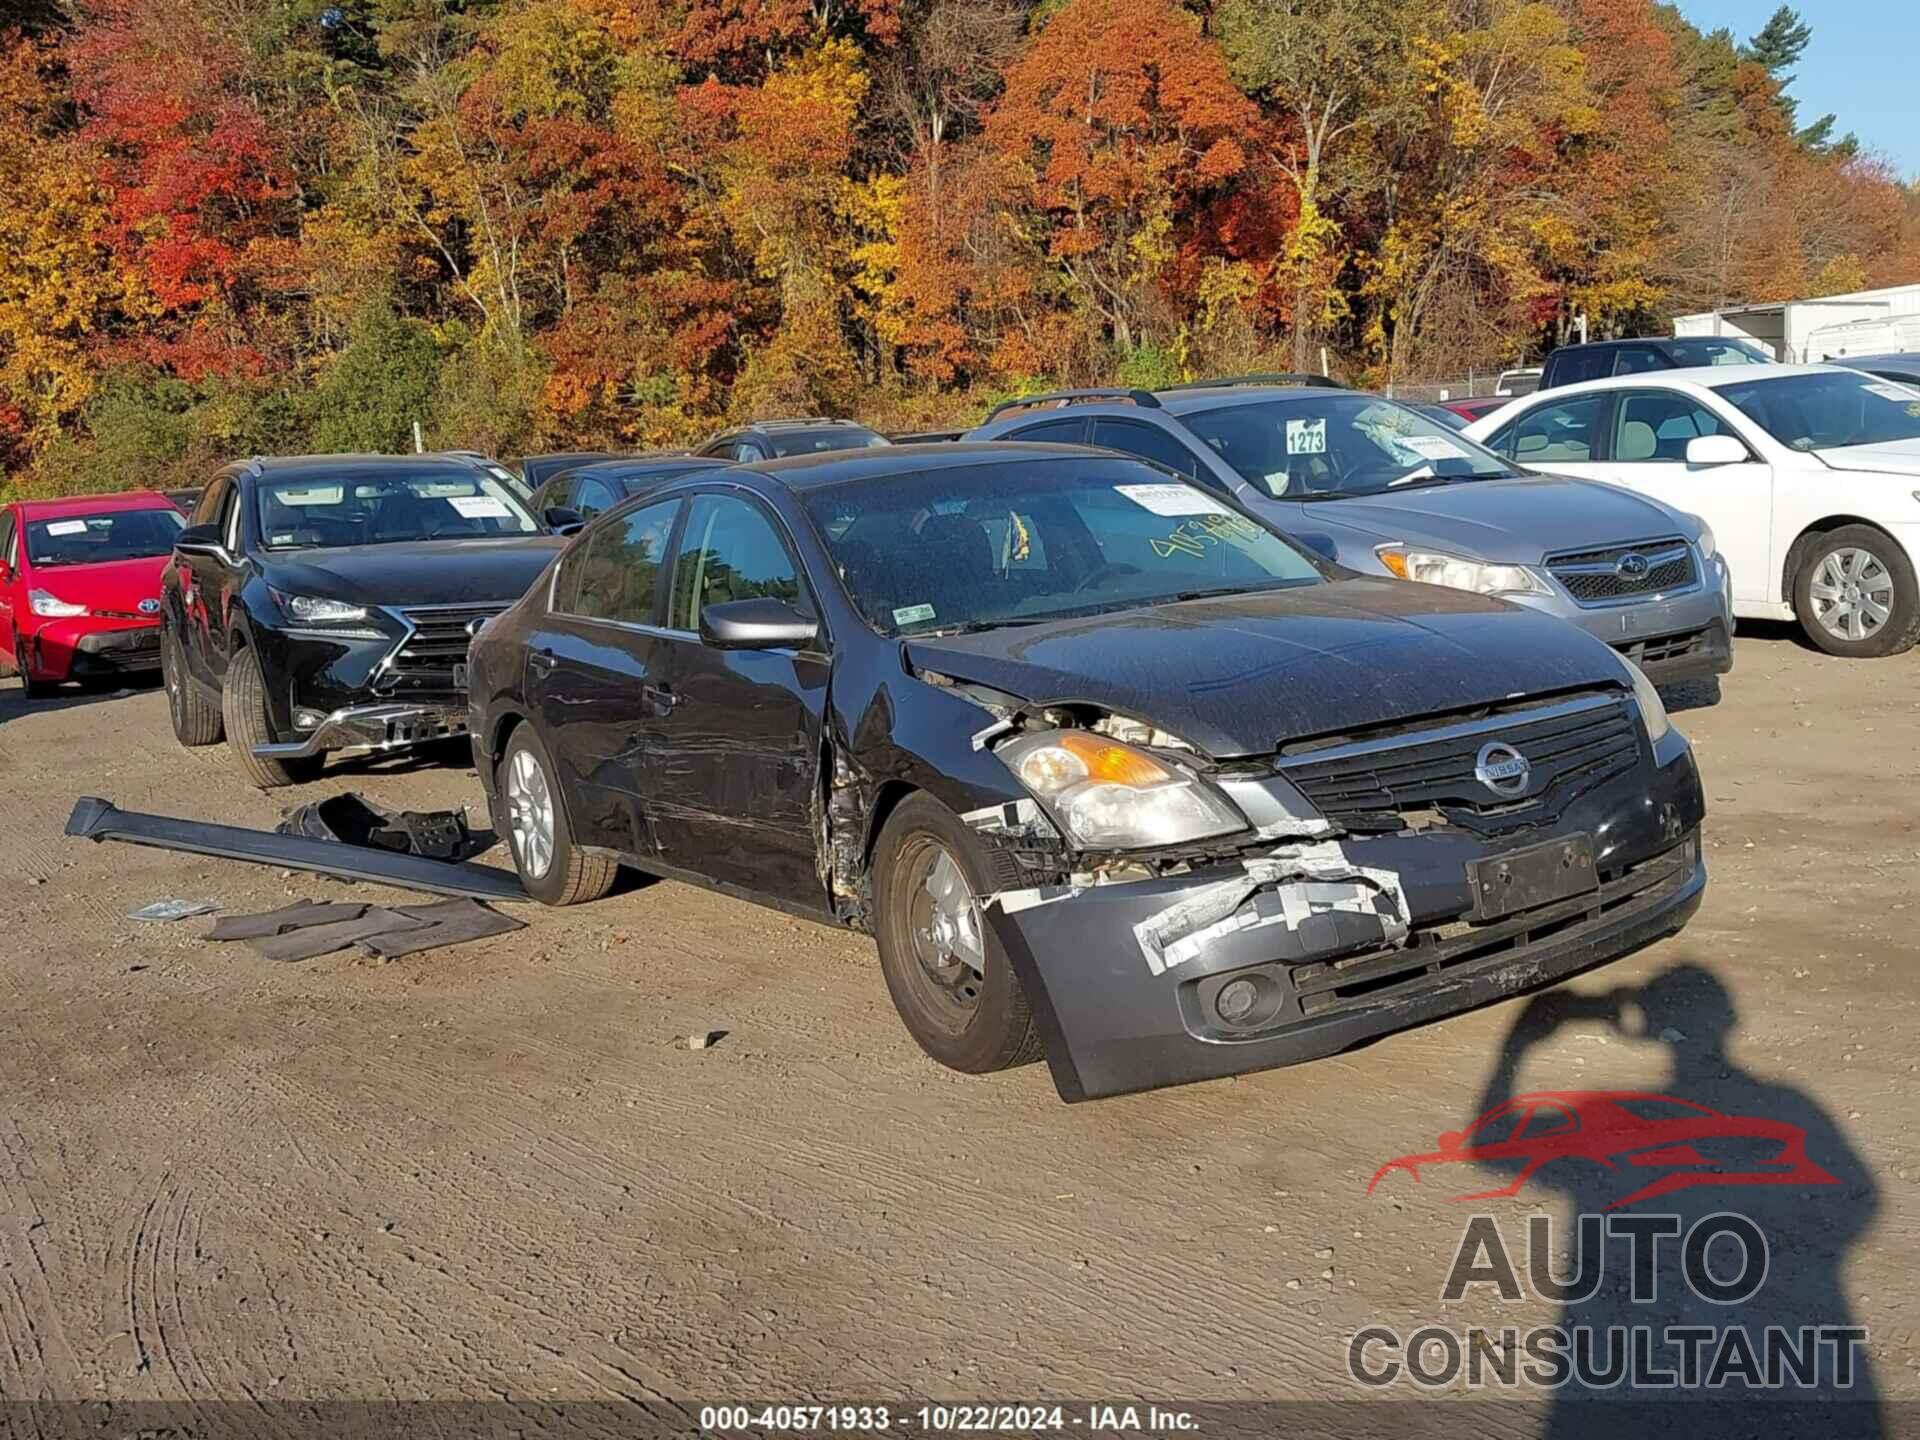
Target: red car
{"points": [[1473, 409], [1671, 1144], [80, 585]]}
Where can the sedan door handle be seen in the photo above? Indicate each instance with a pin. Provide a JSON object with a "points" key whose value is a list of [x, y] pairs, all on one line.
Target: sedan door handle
{"points": [[541, 660], [660, 699]]}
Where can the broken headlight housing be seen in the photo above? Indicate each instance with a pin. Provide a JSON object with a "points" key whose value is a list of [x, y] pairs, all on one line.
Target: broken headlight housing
{"points": [[1652, 710], [1107, 795], [1456, 572]]}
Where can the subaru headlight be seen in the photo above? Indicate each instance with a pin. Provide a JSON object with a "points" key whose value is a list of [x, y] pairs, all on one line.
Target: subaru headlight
{"points": [[1706, 541], [315, 610], [52, 607], [1652, 710], [1434, 567], [1112, 796]]}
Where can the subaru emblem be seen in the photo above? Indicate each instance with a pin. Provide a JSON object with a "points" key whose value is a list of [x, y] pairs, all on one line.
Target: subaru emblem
{"points": [[1502, 769], [149, 607], [1632, 566]]}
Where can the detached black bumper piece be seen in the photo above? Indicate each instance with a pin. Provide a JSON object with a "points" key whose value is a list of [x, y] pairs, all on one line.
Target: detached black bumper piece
{"points": [[97, 819], [1338, 978]]}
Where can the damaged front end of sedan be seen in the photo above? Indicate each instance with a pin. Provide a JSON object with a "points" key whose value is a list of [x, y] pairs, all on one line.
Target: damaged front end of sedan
{"points": [[1174, 915]]}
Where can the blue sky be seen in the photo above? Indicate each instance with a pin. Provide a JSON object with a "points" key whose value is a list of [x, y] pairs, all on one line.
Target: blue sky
{"points": [[1860, 65]]}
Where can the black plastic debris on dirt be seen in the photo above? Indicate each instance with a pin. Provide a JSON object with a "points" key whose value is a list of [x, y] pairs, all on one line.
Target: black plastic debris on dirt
{"points": [[352, 819], [96, 819], [308, 928]]}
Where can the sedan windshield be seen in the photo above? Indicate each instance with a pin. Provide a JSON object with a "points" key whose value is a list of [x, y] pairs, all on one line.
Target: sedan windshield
{"points": [[380, 509], [96, 539], [1012, 544], [1829, 410], [1334, 446]]}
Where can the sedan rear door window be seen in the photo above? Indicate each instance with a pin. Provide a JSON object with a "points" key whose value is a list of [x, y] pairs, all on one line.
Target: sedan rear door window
{"points": [[1568, 431], [613, 573]]}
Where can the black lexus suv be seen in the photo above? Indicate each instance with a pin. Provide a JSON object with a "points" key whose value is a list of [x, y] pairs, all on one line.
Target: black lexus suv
{"points": [[324, 603]]}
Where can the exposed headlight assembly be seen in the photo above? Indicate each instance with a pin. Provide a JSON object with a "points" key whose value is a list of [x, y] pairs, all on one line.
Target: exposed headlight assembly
{"points": [[52, 607], [314, 610], [1434, 567], [1106, 795], [1652, 710]]}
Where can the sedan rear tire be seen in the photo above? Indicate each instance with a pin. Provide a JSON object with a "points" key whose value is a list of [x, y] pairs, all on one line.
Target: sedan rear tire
{"points": [[1855, 594], [533, 815], [949, 977]]}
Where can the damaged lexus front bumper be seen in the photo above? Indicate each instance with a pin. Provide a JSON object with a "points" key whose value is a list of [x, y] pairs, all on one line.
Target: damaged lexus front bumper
{"points": [[1309, 948]]}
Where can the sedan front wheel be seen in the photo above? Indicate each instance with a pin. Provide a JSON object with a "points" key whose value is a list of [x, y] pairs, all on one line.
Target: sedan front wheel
{"points": [[949, 977]]}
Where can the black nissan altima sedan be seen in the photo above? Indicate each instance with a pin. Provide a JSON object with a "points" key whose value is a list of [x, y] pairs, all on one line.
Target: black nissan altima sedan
{"points": [[1113, 772]]}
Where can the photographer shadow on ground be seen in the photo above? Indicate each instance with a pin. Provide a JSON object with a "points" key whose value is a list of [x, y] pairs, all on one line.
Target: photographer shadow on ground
{"points": [[1810, 1222]]}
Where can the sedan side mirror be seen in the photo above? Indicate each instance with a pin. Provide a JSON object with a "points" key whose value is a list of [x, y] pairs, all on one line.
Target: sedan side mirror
{"points": [[1716, 450], [756, 625], [563, 521], [200, 540]]}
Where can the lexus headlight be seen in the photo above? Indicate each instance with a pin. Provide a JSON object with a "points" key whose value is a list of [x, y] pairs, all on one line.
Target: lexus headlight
{"points": [[1109, 795], [1652, 710], [52, 607], [1433, 567], [314, 610]]}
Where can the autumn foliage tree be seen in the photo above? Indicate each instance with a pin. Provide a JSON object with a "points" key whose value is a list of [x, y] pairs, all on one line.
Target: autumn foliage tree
{"points": [[229, 227]]}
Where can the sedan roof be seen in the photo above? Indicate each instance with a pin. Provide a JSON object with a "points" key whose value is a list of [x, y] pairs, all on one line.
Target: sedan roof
{"points": [[1706, 376], [833, 467], [639, 467]]}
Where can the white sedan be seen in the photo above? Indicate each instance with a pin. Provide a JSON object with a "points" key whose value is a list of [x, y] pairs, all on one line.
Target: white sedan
{"points": [[1807, 475]]}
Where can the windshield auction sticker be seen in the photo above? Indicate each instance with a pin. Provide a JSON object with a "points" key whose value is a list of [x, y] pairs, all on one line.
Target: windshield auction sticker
{"points": [[1171, 499], [1307, 437]]}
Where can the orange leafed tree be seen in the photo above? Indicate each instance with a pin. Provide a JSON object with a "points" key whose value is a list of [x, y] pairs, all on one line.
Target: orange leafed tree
{"points": [[1122, 121]]}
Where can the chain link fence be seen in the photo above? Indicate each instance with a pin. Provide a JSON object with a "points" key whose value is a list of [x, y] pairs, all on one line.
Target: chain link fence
{"points": [[1472, 385]]}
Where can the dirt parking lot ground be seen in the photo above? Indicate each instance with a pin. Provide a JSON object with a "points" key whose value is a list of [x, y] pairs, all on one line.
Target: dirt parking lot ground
{"points": [[499, 1171]]}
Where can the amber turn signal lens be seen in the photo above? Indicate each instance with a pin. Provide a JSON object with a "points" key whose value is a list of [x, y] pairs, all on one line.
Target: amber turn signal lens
{"points": [[1394, 560], [1112, 764]]}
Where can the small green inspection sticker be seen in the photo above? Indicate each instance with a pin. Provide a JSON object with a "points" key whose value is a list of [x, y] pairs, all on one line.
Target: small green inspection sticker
{"points": [[912, 614]]}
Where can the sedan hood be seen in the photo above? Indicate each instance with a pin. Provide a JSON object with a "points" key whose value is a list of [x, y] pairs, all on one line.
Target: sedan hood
{"points": [[1519, 521], [1242, 674], [424, 572], [1897, 457]]}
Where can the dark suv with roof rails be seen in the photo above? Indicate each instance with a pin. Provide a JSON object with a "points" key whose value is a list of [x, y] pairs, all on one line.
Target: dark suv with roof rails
{"points": [[1598, 359], [324, 603], [1385, 490], [803, 435]]}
